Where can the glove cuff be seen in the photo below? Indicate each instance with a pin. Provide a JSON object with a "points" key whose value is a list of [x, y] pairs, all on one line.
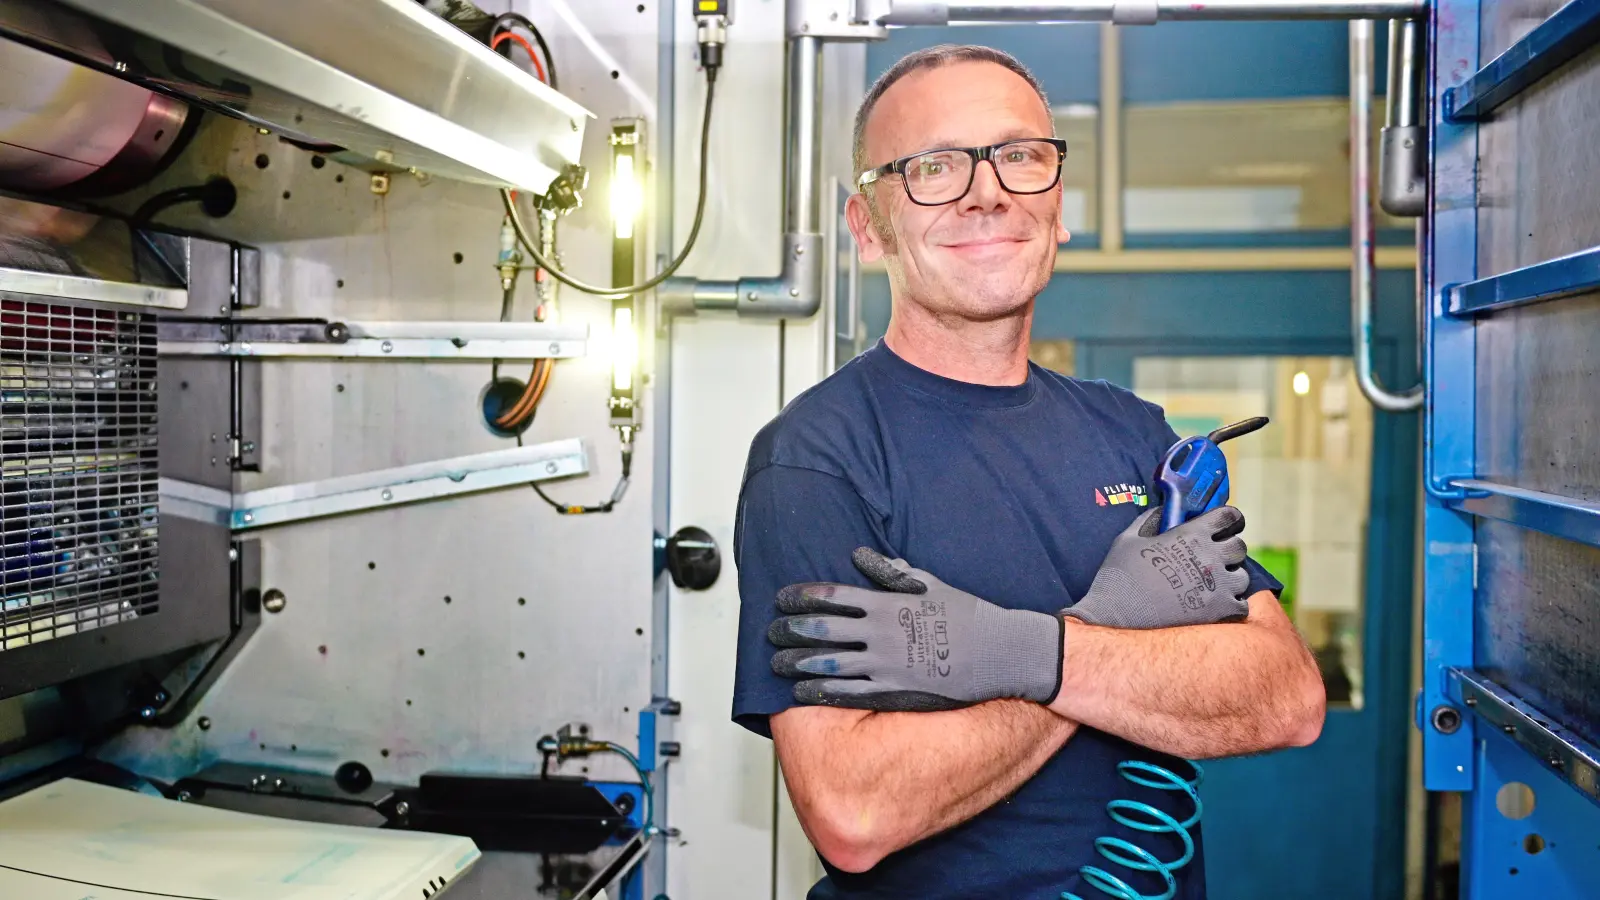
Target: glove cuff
{"points": [[1024, 658]]}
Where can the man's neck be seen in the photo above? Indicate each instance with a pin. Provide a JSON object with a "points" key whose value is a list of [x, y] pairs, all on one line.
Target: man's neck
{"points": [[992, 353]]}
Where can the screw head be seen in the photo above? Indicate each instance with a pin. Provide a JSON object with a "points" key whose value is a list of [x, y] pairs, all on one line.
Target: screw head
{"points": [[402, 808], [550, 468], [204, 723], [248, 517], [185, 796], [554, 348], [387, 346], [1446, 719], [387, 494], [799, 249], [273, 601], [794, 292]]}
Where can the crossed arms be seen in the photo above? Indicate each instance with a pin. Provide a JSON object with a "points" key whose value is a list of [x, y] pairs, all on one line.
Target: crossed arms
{"points": [[1199, 691]]}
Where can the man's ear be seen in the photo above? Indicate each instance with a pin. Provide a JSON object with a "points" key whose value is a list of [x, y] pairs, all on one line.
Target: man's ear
{"points": [[869, 244]]}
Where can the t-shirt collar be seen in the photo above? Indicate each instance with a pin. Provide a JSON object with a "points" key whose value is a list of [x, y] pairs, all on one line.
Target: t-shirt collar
{"points": [[950, 390]]}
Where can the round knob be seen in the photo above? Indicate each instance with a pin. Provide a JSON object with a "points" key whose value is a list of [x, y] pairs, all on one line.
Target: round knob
{"points": [[693, 559]]}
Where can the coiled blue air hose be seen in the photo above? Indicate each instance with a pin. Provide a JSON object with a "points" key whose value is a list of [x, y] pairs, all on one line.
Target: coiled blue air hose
{"points": [[1150, 820]]}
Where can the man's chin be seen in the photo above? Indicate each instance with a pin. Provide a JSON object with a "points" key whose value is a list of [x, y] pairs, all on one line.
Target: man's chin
{"points": [[997, 296]]}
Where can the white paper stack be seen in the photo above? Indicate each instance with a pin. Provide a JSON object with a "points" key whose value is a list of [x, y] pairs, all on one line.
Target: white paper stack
{"points": [[73, 840]]}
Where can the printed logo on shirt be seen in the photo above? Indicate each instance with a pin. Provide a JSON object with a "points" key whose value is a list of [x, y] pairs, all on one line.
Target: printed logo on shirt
{"points": [[1118, 494]]}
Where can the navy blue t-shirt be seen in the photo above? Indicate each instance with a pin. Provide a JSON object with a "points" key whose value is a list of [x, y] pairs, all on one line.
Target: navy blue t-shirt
{"points": [[1011, 493]]}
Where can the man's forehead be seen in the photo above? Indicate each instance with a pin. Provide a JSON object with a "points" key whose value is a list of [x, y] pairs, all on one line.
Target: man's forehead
{"points": [[967, 102]]}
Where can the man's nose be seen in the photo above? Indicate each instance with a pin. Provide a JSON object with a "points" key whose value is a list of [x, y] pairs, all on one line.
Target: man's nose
{"points": [[986, 193]]}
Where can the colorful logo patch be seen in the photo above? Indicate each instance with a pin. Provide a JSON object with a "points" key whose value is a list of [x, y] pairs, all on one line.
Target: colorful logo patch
{"points": [[1116, 494]]}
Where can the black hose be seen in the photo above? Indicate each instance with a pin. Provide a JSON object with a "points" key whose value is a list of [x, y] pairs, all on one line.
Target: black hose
{"points": [[672, 267], [519, 19]]}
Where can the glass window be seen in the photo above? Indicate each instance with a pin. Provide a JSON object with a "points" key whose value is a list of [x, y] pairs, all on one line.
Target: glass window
{"points": [[1246, 166], [1079, 125], [1302, 483]]}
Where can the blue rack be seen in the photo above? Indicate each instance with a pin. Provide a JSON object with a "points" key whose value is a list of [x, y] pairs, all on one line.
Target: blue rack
{"points": [[1573, 29], [1481, 734]]}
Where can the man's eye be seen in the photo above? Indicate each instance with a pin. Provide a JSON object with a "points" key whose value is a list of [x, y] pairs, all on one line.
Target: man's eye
{"points": [[930, 169]]}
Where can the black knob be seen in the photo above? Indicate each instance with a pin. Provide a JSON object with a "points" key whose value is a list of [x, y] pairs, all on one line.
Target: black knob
{"points": [[671, 748], [693, 558], [353, 777]]}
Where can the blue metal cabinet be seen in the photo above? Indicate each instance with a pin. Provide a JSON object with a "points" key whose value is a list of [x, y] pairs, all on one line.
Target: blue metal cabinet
{"points": [[1510, 706]]}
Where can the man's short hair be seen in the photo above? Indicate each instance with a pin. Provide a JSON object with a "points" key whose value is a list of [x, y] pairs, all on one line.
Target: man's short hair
{"points": [[931, 58]]}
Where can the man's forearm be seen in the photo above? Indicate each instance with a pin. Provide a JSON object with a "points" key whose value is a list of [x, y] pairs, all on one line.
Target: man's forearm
{"points": [[1199, 691], [868, 784]]}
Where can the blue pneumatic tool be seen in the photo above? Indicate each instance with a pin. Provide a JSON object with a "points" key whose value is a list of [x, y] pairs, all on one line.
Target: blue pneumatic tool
{"points": [[1194, 473], [1194, 479]]}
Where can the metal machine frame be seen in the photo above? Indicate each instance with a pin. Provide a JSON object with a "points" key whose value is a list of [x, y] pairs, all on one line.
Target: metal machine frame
{"points": [[1479, 736]]}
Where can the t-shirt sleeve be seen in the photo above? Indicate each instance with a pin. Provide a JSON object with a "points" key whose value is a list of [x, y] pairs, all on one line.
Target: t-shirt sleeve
{"points": [[1165, 437], [794, 525]]}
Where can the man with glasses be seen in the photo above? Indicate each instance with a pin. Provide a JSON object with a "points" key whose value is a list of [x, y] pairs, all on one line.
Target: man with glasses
{"points": [[958, 623]]}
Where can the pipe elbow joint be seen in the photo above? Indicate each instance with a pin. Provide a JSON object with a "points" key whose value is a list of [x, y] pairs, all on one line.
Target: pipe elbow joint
{"points": [[797, 291]]}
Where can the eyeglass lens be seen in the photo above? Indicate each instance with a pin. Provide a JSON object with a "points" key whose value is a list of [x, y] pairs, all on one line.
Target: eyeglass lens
{"points": [[941, 176]]}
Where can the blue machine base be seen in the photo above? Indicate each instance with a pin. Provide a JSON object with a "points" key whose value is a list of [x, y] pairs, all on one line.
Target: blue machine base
{"points": [[1553, 853]]}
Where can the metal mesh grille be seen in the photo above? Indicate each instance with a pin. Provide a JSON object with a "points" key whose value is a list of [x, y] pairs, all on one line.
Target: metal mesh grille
{"points": [[78, 477]]}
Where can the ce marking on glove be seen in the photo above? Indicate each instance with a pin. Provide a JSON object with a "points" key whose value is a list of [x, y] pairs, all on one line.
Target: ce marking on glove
{"points": [[1162, 565]]}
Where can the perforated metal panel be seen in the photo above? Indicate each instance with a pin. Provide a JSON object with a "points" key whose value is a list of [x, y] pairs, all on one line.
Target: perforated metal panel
{"points": [[78, 476]]}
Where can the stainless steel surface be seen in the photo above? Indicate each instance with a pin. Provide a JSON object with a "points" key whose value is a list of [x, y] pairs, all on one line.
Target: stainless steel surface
{"points": [[1558, 749], [1538, 422], [921, 12], [1537, 632], [399, 486], [1504, 22], [369, 588], [1403, 156], [196, 502], [78, 470], [61, 123], [396, 340], [797, 290], [1539, 194], [384, 79], [1362, 227], [25, 284]]}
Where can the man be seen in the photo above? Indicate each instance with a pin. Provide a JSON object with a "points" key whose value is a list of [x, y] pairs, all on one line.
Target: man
{"points": [[939, 745]]}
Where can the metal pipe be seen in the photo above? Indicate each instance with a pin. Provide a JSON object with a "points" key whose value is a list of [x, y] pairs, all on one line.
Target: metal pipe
{"points": [[1141, 12], [1362, 227], [796, 292], [1402, 174], [802, 209]]}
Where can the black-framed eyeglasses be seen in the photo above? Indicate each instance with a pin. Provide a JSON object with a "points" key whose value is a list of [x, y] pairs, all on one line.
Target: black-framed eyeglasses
{"points": [[937, 177]]}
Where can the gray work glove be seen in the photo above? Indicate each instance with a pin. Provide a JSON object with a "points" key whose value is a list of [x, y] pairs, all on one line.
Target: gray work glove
{"points": [[922, 647], [1191, 575]]}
